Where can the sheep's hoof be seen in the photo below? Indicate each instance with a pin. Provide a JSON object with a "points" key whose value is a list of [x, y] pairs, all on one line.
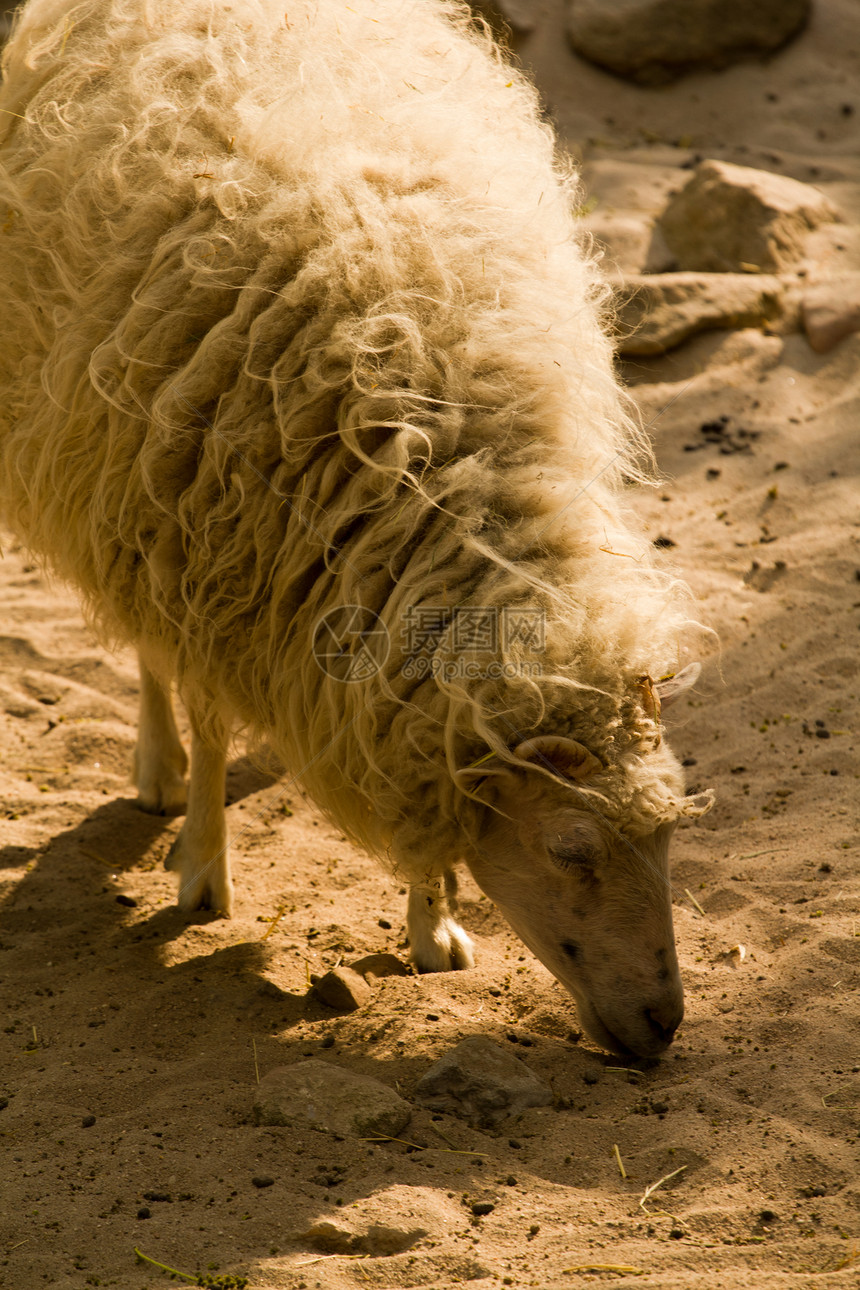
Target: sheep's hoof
{"points": [[163, 801], [202, 884], [161, 792], [445, 948]]}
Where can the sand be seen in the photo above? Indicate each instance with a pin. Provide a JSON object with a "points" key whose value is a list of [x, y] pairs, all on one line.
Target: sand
{"points": [[132, 1040]]}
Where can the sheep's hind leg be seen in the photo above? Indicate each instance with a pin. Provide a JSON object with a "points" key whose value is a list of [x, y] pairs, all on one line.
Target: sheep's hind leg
{"points": [[437, 943], [200, 854], [160, 762]]}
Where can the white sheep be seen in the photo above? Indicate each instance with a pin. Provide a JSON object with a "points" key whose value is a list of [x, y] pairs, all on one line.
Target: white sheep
{"points": [[294, 317]]}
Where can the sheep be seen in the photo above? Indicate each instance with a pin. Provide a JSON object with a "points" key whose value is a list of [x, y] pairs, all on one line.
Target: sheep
{"points": [[307, 387]]}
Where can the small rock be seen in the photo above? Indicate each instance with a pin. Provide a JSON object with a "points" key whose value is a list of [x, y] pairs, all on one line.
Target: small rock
{"points": [[831, 311], [88, 1121], [262, 1180], [327, 1097], [481, 1082], [482, 1207], [653, 41], [343, 989], [734, 219], [128, 901], [143, 1212], [657, 311]]}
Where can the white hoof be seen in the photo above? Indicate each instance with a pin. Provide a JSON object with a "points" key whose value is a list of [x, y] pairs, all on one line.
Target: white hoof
{"points": [[161, 787], [204, 876], [444, 947]]}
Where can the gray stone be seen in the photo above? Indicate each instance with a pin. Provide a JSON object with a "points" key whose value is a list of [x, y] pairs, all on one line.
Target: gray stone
{"points": [[319, 1095], [657, 311], [343, 989], [481, 1082], [734, 219], [831, 311], [652, 41]]}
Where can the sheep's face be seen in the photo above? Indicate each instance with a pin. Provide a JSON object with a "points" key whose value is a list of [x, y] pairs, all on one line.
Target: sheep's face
{"points": [[593, 904]]}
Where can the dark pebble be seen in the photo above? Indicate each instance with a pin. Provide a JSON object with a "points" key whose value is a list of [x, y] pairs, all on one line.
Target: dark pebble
{"points": [[144, 1213], [128, 901], [88, 1121], [659, 1108], [327, 1041], [482, 1207], [676, 1234], [664, 542], [263, 1180], [822, 734], [158, 1197], [515, 1143], [689, 761], [810, 1192], [432, 1016], [494, 991], [384, 923], [590, 1078], [767, 1216]]}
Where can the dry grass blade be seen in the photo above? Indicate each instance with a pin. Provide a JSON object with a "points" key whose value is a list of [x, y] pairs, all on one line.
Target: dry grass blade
{"points": [[621, 1168], [692, 898], [607, 1267], [649, 1190], [274, 923]]}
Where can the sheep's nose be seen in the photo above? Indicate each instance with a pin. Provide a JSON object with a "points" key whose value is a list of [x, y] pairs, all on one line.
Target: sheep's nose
{"points": [[665, 1019]]}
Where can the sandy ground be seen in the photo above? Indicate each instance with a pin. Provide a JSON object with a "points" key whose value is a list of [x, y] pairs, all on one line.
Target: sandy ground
{"points": [[131, 1041]]}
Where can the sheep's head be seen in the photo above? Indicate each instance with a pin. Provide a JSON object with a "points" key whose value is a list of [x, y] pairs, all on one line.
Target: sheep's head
{"points": [[586, 887]]}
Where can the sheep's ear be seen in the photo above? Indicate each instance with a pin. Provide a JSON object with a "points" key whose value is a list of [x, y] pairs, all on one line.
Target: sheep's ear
{"points": [[560, 756], [673, 687]]}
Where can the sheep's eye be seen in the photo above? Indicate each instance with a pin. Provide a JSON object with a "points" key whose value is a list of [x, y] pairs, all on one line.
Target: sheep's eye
{"points": [[572, 858]]}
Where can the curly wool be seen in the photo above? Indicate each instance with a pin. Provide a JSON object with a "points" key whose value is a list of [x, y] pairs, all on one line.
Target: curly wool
{"points": [[295, 316]]}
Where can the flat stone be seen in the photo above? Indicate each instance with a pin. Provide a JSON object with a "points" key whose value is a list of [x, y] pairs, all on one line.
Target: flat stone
{"points": [[379, 965], [657, 311], [380, 1240], [481, 1082], [734, 219], [653, 41], [831, 311], [319, 1095]]}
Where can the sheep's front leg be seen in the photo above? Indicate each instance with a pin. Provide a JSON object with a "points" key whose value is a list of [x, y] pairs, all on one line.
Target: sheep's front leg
{"points": [[160, 762], [437, 943], [200, 854]]}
